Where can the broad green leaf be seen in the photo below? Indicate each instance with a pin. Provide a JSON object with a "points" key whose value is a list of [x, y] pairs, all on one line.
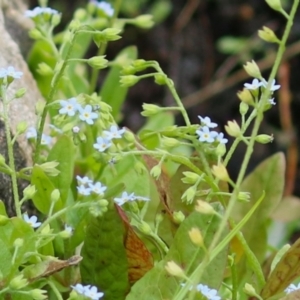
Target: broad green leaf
{"points": [[288, 210], [63, 152], [157, 284], [2, 209], [44, 187], [268, 177], [285, 272], [5, 259], [112, 92], [104, 261]]}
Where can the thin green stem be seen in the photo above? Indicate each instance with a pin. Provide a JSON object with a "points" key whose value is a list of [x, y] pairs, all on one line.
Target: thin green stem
{"points": [[10, 150], [50, 97]]}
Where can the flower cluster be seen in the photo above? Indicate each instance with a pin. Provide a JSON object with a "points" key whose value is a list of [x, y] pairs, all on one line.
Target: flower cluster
{"points": [[32, 134], [105, 141], [32, 221], [257, 84], [70, 107], [86, 186], [129, 198], [105, 7], [40, 11], [210, 294], [206, 135], [10, 72], [88, 291]]}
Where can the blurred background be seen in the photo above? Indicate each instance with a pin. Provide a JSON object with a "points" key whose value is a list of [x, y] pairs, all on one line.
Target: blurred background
{"points": [[202, 45]]}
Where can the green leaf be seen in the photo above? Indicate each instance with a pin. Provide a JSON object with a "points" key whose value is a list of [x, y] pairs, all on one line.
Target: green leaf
{"points": [[5, 259], [63, 152], [104, 261], [268, 177], [111, 91], [157, 284], [44, 187]]}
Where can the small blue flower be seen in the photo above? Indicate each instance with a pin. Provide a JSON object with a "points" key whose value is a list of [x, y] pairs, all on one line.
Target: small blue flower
{"points": [[69, 107], [32, 221], [83, 190], [46, 139], [87, 115], [55, 129], [274, 87], [272, 102], [105, 7], [205, 135], [31, 133], [125, 198], [93, 293], [113, 133], [10, 72], [220, 138], [102, 144], [39, 11], [207, 122], [97, 188], [83, 180], [254, 85]]}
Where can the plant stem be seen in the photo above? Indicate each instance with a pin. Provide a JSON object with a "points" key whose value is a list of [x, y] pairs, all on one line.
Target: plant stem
{"points": [[11, 159]]}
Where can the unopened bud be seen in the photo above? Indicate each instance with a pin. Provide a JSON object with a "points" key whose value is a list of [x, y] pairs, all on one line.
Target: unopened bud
{"points": [[98, 62], [44, 69], [3, 220], [50, 168], [18, 242], [252, 69], [55, 195], [167, 142], [22, 127], [275, 4], [38, 294], [268, 35], [150, 110], [250, 290], [20, 93], [35, 34], [129, 136], [178, 217], [220, 172], [233, 129], [264, 138], [190, 177], [155, 171], [29, 192], [196, 237], [129, 80], [221, 149], [243, 108], [173, 269], [145, 228], [189, 194], [160, 79], [244, 196], [204, 208], [18, 282], [143, 21], [246, 96]]}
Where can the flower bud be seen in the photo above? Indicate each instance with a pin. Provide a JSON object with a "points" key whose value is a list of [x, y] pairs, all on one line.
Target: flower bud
{"points": [[44, 69], [20, 93], [155, 171], [264, 138], [35, 34], [173, 269], [18, 282], [145, 228], [65, 234], [243, 108], [129, 136], [190, 177], [38, 294], [139, 65], [275, 4], [244, 196], [189, 194], [129, 80], [143, 21], [221, 149], [39, 107], [22, 127], [167, 142], [220, 172], [98, 62], [50, 168], [196, 237], [160, 79], [55, 195], [178, 217], [55, 20], [204, 208], [233, 129], [246, 96], [268, 35], [150, 110], [29, 192], [252, 69], [80, 15], [109, 34], [18, 242]]}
